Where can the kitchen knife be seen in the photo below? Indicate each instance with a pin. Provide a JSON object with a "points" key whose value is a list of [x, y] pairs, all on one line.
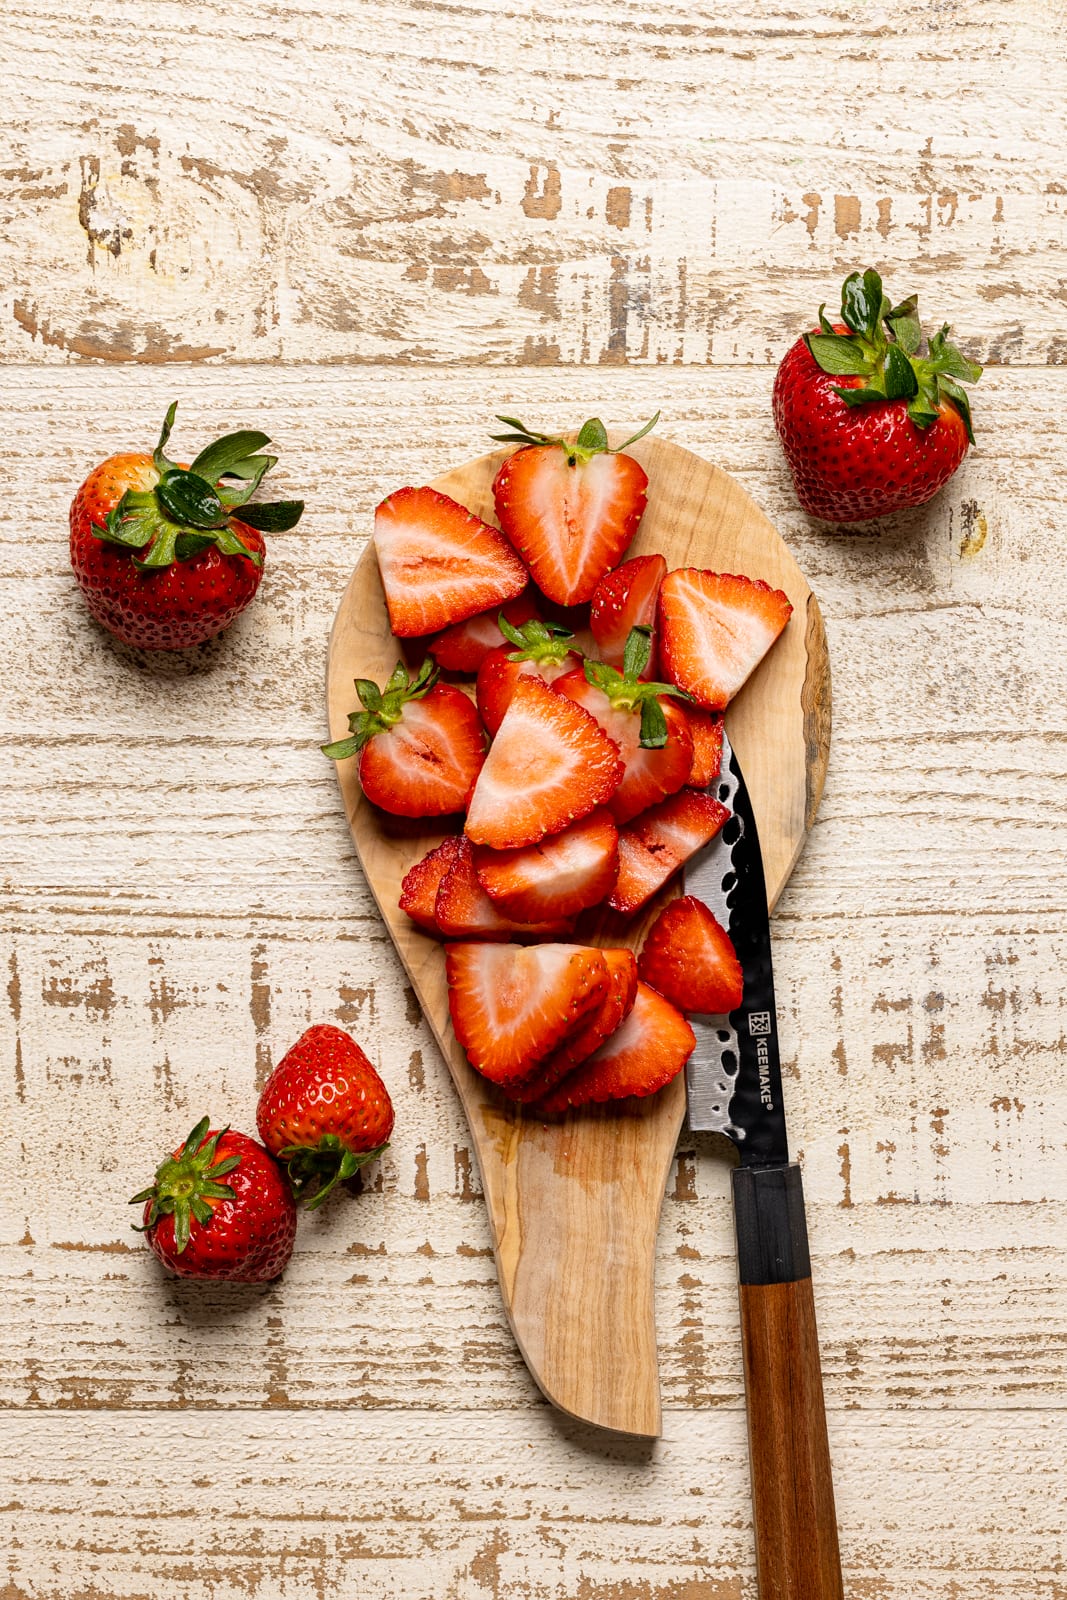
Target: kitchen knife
{"points": [[734, 1086]]}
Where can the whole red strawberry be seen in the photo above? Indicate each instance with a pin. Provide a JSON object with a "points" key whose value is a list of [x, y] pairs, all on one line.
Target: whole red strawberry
{"points": [[161, 554], [241, 1230], [868, 424], [325, 1111]]}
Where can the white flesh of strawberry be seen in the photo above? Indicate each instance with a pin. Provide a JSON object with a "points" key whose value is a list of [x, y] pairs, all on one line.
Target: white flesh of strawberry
{"points": [[414, 563], [732, 639]]}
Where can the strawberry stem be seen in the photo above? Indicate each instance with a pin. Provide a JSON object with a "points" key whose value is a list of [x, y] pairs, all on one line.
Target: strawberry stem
{"points": [[592, 438], [535, 640], [189, 509], [381, 708], [186, 1183], [628, 691], [882, 346], [314, 1170]]}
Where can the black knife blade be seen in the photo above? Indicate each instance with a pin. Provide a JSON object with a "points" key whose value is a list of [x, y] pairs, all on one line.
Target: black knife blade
{"points": [[734, 1078]]}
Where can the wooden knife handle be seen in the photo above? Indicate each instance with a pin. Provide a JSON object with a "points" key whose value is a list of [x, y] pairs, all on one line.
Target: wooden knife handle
{"points": [[797, 1554]]}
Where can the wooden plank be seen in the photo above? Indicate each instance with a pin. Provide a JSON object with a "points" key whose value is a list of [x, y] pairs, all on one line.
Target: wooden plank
{"points": [[420, 183], [949, 621], [466, 1507], [921, 1098]]}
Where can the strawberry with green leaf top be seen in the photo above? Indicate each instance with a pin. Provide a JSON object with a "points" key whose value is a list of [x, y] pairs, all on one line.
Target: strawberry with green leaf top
{"points": [[651, 731], [420, 743], [220, 1208], [167, 555], [869, 423]]}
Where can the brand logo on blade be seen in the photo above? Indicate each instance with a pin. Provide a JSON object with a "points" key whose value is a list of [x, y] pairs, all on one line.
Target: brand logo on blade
{"points": [[759, 1026]]}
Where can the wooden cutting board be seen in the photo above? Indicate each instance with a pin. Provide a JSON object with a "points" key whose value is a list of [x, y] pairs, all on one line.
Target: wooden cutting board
{"points": [[574, 1205]]}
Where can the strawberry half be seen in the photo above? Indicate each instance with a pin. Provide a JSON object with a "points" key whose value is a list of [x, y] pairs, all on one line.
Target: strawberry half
{"points": [[645, 1053], [420, 744], [464, 646], [652, 733], [562, 875], [590, 1032], [512, 1005], [549, 764], [689, 959], [715, 629], [418, 892], [570, 509], [658, 842], [439, 563], [536, 649], [463, 910], [623, 600], [705, 730]]}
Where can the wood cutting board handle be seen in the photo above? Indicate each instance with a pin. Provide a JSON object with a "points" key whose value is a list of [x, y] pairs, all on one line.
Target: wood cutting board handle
{"points": [[797, 1554]]}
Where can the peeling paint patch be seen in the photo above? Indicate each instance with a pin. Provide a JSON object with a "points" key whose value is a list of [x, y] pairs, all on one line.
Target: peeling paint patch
{"points": [[543, 195]]}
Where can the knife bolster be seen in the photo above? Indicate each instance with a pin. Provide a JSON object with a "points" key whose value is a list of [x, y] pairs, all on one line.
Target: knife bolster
{"points": [[772, 1235]]}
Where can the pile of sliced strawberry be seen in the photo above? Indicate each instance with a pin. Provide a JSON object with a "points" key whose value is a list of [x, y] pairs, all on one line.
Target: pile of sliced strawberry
{"points": [[582, 783]]}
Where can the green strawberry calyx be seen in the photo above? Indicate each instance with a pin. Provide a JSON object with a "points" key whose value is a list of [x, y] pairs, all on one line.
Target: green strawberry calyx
{"points": [[883, 346], [536, 640], [381, 709], [316, 1169], [186, 1183], [628, 691], [189, 509], [592, 439]]}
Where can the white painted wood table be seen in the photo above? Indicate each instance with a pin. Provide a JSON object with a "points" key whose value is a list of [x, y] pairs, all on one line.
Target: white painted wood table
{"points": [[368, 227]]}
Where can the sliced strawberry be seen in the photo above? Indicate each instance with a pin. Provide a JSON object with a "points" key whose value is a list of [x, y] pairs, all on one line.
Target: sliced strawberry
{"points": [[560, 876], [535, 650], [645, 1053], [659, 841], [420, 744], [511, 1005], [463, 910], [689, 959], [705, 729], [715, 629], [652, 733], [549, 764], [591, 1031], [464, 646], [439, 563], [570, 509], [626, 599], [418, 892]]}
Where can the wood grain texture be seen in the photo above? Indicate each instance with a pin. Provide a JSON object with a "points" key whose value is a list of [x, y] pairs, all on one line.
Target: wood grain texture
{"points": [[465, 1507], [420, 182], [639, 191], [573, 1204]]}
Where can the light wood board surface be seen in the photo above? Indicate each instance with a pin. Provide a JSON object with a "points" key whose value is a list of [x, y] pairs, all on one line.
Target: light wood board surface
{"points": [[311, 190], [574, 1204]]}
